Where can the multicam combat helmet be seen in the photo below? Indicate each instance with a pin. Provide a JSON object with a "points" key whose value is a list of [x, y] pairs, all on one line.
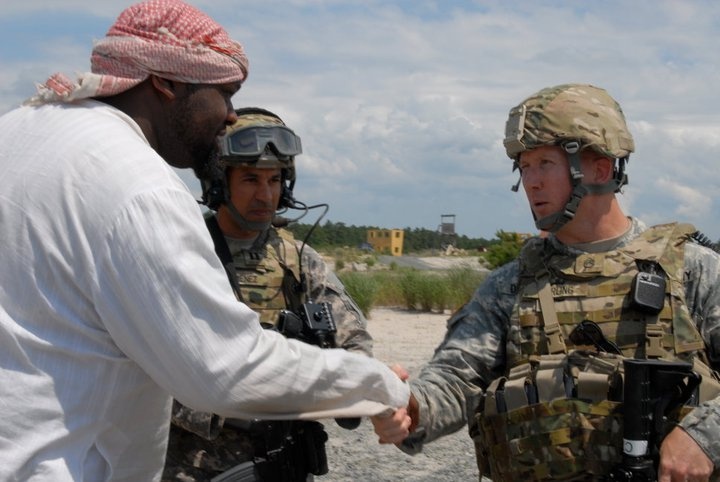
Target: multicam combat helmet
{"points": [[573, 117], [258, 138]]}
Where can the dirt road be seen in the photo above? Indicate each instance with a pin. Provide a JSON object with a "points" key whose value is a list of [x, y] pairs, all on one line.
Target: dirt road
{"points": [[354, 455]]}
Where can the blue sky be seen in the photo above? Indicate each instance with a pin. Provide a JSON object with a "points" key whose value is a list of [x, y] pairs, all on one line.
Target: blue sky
{"points": [[401, 105]]}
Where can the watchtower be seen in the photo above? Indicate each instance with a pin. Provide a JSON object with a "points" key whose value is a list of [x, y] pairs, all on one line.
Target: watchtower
{"points": [[447, 230]]}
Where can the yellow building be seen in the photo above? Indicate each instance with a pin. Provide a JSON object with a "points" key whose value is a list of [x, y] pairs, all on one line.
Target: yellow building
{"points": [[386, 241]]}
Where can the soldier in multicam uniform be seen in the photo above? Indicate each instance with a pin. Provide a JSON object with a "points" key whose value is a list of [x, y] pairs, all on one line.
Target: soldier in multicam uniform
{"points": [[271, 272], [532, 361]]}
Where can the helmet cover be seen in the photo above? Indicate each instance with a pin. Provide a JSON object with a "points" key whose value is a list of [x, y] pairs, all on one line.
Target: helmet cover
{"points": [[578, 112]]}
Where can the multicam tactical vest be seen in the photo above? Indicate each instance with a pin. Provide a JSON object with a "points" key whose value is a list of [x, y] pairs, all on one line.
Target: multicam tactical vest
{"points": [[268, 276], [555, 415], [201, 445]]}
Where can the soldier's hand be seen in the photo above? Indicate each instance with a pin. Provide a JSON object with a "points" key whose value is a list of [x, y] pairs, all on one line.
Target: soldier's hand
{"points": [[393, 428], [682, 459]]}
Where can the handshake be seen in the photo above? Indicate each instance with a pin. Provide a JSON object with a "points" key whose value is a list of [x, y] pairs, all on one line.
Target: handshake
{"points": [[395, 427]]}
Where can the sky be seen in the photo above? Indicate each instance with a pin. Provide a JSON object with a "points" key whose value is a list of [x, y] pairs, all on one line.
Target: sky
{"points": [[401, 104]]}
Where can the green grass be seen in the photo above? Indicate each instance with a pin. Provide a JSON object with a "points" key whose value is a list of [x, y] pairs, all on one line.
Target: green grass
{"points": [[412, 289], [363, 289]]}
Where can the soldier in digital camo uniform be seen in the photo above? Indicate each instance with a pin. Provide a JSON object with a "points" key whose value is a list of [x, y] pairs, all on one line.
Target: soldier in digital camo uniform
{"points": [[531, 362], [271, 272]]}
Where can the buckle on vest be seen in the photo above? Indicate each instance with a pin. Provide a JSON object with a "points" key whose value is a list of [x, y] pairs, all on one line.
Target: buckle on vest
{"points": [[555, 341], [654, 335]]}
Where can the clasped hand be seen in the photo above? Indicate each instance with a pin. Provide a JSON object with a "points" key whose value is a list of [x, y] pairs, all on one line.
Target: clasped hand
{"points": [[394, 428]]}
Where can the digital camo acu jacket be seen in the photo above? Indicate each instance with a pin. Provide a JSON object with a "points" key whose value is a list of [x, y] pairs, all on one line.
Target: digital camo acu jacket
{"points": [[473, 352]]}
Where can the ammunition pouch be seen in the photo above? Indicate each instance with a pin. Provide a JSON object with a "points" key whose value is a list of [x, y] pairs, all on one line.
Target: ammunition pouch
{"points": [[559, 417]]}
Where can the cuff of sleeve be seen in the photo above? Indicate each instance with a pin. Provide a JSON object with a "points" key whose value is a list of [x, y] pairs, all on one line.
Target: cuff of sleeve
{"points": [[423, 412], [703, 424], [413, 444]]}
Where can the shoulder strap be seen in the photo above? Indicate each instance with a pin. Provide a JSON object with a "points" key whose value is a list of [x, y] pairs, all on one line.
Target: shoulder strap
{"points": [[555, 341], [223, 252], [293, 285]]}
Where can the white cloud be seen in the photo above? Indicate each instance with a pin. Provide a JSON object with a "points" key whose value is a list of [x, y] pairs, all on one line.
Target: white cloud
{"points": [[690, 202], [401, 105]]}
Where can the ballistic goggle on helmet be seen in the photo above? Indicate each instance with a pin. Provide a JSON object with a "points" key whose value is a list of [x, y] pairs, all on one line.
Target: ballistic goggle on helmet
{"points": [[260, 138], [573, 117]]}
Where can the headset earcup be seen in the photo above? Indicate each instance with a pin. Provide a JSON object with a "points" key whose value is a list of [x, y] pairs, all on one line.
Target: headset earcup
{"points": [[286, 197], [213, 195]]}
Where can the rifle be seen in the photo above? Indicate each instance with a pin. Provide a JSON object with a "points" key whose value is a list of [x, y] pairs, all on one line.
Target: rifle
{"points": [[314, 324], [283, 450], [653, 389]]}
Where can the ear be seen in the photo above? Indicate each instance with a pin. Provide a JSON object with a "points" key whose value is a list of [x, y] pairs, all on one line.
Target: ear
{"points": [[166, 88], [599, 169], [603, 169]]}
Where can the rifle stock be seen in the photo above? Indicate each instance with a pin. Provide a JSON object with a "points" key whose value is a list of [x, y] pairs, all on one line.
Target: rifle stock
{"points": [[652, 389]]}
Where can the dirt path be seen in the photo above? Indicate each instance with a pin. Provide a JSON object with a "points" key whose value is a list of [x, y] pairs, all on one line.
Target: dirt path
{"points": [[354, 455]]}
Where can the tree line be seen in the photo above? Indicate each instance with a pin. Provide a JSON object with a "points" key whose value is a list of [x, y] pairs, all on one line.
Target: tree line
{"points": [[503, 248], [332, 235]]}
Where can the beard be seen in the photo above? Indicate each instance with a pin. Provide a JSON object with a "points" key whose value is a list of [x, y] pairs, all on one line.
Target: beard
{"points": [[206, 165], [189, 140]]}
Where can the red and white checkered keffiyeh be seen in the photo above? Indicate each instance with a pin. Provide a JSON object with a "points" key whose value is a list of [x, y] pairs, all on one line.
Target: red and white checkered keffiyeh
{"points": [[167, 38]]}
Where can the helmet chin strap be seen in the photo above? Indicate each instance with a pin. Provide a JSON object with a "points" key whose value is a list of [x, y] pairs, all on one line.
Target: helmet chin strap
{"points": [[243, 223], [553, 222]]}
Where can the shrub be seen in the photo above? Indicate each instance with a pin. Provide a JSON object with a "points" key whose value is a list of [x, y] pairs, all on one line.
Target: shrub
{"points": [[462, 283], [425, 290], [361, 288], [505, 251], [412, 289], [389, 288]]}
